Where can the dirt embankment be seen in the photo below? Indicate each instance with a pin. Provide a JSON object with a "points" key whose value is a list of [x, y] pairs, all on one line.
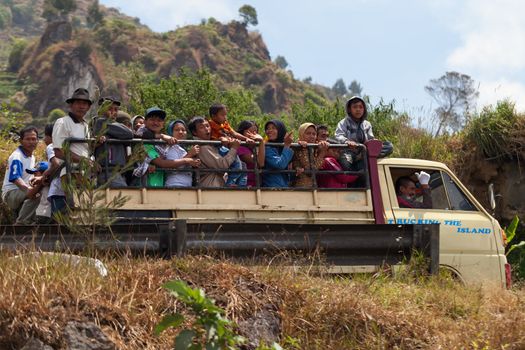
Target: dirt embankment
{"points": [[507, 173]]}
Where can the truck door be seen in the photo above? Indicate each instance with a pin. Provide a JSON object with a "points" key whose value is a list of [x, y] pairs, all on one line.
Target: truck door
{"points": [[467, 238]]}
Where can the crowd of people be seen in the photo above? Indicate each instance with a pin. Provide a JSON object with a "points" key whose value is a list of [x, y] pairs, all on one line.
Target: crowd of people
{"points": [[32, 188]]}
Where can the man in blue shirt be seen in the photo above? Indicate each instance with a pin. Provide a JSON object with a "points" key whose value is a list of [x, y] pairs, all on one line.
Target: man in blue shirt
{"points": [[17, 191]]}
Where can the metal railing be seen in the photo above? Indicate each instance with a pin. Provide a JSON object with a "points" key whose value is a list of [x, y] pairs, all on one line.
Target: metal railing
{"points": [[335, 245], [312, 171]]}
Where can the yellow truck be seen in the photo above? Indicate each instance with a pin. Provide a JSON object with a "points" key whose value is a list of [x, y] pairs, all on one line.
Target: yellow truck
{"points": [[471, 241]]}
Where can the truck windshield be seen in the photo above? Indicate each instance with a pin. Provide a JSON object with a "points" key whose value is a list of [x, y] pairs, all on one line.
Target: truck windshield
{"points": [[458, 200]]}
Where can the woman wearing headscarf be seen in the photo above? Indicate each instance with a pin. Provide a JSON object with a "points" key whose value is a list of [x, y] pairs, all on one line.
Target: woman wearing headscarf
{"points": [[178, 157], [277, 157], [301, 160]]}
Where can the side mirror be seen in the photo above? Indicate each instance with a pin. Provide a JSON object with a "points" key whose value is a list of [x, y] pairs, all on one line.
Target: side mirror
{"points": [[492, 197]]}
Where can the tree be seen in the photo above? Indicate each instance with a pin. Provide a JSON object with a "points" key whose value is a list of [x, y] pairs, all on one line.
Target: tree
{"points": [[94, 15], [281, 62], [455, 94], [248, 15], [355, 89], [58, 9], [339, 88]]}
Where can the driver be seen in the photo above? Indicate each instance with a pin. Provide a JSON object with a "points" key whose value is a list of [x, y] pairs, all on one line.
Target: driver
{"points": [[406, 192]]}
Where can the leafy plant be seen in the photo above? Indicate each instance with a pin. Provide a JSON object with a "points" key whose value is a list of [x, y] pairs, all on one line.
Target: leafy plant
{"points": [[510, 232], [210, 330]]}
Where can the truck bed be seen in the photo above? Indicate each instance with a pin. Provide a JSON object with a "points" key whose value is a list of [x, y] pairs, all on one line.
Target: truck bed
{"points": [[249, 205]]}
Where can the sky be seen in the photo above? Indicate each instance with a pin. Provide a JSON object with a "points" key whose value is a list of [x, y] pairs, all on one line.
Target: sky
{"points": [[392, 48]]}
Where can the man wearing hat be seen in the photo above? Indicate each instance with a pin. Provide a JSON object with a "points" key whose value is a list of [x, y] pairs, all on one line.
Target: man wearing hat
{"points": [[72, 125], [18, 192], [111, 156]]}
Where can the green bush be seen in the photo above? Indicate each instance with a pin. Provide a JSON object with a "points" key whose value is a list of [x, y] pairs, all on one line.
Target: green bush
{"points": [[5, 17], [10, 119], [54, 115], [188, 94], [328, 114], [491, 131], [15, 56]]}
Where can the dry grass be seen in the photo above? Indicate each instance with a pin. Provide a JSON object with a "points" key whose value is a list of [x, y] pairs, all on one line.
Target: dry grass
{"points": [[38, 297]]}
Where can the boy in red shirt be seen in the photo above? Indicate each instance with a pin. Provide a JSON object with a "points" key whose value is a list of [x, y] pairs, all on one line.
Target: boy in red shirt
{"points": [[222, 131]]}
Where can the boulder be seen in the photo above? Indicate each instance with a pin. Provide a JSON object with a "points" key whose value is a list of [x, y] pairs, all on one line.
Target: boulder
{"points": [[35, 344], [264, 327], [73, 260], [86, 336]]}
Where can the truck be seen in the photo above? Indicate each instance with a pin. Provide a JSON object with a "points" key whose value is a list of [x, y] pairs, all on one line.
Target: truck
{"points": [[471, 241]]}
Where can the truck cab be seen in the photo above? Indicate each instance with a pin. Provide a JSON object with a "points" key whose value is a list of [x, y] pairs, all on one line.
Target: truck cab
{"points": [[471, 242]]}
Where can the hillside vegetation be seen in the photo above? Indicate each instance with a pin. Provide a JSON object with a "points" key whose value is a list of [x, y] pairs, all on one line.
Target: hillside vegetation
{"points": [[46, 62]]}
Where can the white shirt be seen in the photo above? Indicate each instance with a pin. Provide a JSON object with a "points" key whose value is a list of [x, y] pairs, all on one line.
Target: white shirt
{"points": [[177, 179], [17, 163], [55, 187], [66, 127]]}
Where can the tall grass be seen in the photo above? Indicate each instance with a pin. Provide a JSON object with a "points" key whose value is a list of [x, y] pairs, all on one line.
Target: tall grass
{"points": [[38, 297], [496, 131]]}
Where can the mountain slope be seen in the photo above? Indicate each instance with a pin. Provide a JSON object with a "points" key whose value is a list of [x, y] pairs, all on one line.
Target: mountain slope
{"points": [[60, 56]]}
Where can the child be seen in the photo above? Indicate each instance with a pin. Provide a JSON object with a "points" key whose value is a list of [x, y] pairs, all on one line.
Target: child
{"points": [[249, 129], [322, 133], [152, 128], [222, 131], [137, 122], [179, 158], [330, 163], [301, 160], [277, 157], [354, 130]]}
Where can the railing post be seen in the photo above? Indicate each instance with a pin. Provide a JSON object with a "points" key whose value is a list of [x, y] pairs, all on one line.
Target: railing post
{"points": [[181, 232], [256, 169], [373, 149], [106, 164], [311, 160]]}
